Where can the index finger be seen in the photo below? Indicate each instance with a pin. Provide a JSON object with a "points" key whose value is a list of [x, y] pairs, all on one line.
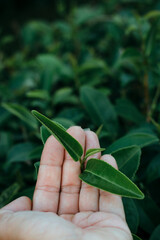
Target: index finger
{"points": [[46, 195]]}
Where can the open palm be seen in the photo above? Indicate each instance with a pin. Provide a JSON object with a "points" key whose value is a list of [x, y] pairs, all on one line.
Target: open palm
{"points": [[63, 207]]}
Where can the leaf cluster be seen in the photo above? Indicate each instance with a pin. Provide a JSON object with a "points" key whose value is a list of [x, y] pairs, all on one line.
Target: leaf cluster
{"points": [[97, 66]]}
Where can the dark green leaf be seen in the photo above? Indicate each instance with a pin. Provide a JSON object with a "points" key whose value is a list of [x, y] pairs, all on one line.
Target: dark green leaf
{"points": [[8, 194], [100, 109], [131, 213], [150, 41], [153, 169], [70, 144], [102, 175], [36, 153], [128, 160], [22, 113], [156, 234], [21, 152], [149, 214], [138, 138], [127, 110], [65, 95], [64, 122], [44, 134]]}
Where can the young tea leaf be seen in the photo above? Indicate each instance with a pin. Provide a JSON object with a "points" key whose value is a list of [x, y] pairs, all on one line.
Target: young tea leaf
{"points": [[92, 151], [103, 176], [70, 144]]}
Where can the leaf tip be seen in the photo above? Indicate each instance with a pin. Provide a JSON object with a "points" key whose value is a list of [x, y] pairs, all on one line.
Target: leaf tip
{"points": [[34, 112]]}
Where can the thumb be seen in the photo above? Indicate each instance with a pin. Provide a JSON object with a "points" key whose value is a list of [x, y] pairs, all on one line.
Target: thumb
{"points": [[8, 221], [20, 204]]}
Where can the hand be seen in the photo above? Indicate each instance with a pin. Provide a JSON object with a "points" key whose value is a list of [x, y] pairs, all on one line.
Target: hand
{"points": [[63, 207]]}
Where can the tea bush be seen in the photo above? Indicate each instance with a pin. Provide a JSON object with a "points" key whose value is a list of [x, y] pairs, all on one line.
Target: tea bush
{"points": [[97, 66]]}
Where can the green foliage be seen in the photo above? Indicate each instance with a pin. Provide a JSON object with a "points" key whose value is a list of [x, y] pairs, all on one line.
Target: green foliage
{"points": [[135, 237], [132, 215], [97, 172], [59, 132], [92, 151], [95, 66], [155, 234], [102, 175], [96, 104], [128, 160]]}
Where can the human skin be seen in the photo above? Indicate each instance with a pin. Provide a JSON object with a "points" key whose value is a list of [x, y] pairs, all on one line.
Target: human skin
{"points": [[63, 207]]}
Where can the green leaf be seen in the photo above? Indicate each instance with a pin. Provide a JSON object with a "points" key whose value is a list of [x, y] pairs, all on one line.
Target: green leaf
{"points": [[38, 93], [61, 121], [100, 109], [92, 151], [99, 130], [128, 160], [51, 69], [73, 114], [151, 37], [152, 14], [83, 14], [36, 165], [36, 153], [70, 144], [140, 139], [93, 64], [149, 214], [26, 192], [131, 213], [153, 169], [127, 110], [44, 134], [136, 237], [102, 175], [21, 152], [64, 96], [7, 195], [5, 142], [4, 115], [156, 233], [22, 113], [67, 123]]}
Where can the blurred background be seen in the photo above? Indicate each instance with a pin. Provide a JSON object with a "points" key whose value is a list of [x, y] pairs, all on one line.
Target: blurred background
{"points": [[94, 64]]}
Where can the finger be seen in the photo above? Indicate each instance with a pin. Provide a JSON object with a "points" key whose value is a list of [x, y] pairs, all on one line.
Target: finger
{"points": [[20, 204], [69, 198], [89, 196], [110, 202], [46, 195]]}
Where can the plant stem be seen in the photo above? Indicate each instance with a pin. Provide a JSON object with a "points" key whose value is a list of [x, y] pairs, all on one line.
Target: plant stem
{"points": [[82, 164], [155, 124]]}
